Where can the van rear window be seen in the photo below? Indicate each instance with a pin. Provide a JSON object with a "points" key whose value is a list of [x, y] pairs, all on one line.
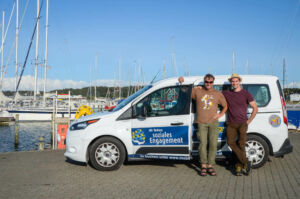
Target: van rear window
{"points": [[260, 92], [279, 88]]}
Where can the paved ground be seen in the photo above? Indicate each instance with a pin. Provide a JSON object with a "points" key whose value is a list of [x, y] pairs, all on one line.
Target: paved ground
{"points": [[47, 174]]}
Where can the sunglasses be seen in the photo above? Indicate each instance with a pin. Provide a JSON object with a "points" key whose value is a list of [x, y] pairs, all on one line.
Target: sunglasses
{"points": [[208, 82]]}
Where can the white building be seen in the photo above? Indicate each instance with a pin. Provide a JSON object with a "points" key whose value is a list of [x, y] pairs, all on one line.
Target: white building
{"points": [[295, 97]]}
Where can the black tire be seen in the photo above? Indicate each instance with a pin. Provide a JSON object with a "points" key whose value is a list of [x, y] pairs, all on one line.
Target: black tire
{"points": [[107, 154], [257, 151]]}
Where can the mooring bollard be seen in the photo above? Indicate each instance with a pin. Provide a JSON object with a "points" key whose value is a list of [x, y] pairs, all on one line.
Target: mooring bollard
{"points": [[17, 118], [17, 131], [41, 143]]}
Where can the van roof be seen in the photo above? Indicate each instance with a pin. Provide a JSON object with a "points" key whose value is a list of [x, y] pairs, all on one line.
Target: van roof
{"points": [[220, 79]]}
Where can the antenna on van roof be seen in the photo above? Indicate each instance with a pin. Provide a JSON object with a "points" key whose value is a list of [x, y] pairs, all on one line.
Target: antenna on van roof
{"points": [[155, 77]]}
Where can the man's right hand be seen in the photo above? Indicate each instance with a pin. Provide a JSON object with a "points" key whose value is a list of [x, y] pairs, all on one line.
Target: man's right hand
{"points": [[181, 80]]}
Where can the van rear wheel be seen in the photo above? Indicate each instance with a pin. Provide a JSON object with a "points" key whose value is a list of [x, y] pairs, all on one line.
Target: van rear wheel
{"points": [[107, 154], [257, 150]]}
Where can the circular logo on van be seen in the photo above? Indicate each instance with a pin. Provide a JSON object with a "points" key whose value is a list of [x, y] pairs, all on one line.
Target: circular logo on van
{"points": [[138, 136], [275, 120]]}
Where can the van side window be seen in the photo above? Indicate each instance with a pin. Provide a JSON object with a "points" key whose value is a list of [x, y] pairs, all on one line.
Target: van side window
{"points": [[260, 92], [126, 115], [164, 102], [222, 87]]}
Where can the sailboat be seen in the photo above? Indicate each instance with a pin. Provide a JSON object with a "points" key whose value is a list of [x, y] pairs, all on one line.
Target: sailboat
{"points": [[32, 108], [5, 116]]}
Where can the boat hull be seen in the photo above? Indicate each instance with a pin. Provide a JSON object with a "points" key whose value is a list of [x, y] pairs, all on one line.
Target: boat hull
{"points": [[29, 115], [7, 119]]}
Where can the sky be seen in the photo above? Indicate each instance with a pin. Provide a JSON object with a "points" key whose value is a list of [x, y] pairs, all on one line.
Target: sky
{"points": [[88, 41]]}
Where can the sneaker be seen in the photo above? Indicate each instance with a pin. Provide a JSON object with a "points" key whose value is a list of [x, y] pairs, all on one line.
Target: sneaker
{"points": [[238, 170], [247, 168]]}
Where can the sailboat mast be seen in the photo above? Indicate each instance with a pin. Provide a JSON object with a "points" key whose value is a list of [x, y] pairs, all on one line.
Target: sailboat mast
{"points": [[46, 53], [129, 86], [284, 74], [17, 42], [2, 47], [120, 91], [96, 64], [135, 84], [233, 62], [271, 67], [164, 70], [140, 76], [184, 66], [90, 83], [114, 94], [36, 51], [173, 57]]}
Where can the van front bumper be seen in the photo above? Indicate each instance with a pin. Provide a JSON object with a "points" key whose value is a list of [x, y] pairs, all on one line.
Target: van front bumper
{"points": [[284, 149], [76, 147]]}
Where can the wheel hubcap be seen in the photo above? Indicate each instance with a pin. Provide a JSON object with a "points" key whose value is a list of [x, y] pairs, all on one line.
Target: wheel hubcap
{"points": [[107, 154], [255, 151]]}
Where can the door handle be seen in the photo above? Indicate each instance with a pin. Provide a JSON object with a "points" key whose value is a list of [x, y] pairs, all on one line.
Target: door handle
{"points": [[177, 123]]}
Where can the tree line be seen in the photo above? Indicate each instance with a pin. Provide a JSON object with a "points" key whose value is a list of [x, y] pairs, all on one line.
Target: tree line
{"points": [[102, 91], [89, 92]]}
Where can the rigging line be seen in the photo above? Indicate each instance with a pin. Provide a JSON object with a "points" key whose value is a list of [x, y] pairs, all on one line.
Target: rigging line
{"points": [[291, 30], [29, 46], [281, 41], [9, 57], [21, 22], [285, 43], [2, 46], [12, 48], [11, 13]]}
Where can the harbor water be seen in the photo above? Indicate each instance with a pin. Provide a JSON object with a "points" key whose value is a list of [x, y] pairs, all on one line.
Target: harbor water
{"points": [[294, 117], [26, 138]]}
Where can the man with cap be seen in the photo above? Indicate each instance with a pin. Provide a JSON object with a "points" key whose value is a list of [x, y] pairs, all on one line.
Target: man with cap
{"points": [[238, 100]]}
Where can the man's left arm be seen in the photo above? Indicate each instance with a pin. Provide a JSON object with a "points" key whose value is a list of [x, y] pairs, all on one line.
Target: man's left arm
{"points": [[254, 111]]}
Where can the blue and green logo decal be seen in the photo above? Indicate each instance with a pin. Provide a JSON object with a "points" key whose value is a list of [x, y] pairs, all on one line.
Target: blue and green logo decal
{"points": [[138, 136], [160, 136]]}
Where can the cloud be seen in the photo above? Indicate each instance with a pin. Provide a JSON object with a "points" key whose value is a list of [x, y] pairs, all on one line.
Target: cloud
{"points": [[294, 85], [27, 83]]}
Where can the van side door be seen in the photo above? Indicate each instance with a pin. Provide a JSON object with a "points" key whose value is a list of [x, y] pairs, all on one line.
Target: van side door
{"points": [[161, 124]]}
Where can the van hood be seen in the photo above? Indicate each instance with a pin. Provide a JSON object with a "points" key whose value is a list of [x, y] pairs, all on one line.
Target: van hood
{"points": [[98, 115]]}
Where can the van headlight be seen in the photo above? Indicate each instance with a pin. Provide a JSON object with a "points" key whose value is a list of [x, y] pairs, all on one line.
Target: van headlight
{"points": [[82, 125]]}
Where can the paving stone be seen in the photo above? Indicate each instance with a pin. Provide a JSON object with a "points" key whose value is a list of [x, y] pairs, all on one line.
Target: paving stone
{"points": [[47, 174]]}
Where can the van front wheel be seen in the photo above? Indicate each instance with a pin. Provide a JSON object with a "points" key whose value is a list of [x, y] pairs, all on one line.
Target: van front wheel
{"points": [[257, 150], [107, 154]]}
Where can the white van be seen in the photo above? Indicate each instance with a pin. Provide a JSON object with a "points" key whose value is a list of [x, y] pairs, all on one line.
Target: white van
{"points": [[157, 122]]}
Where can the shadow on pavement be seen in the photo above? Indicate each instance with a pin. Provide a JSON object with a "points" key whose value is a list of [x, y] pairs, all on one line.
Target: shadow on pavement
{"points": [[195, 165], [154, 162], [75, 162], [192, 164]]}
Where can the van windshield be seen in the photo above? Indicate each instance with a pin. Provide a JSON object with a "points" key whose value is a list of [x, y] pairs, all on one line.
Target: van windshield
{"points": [[130, 98]]}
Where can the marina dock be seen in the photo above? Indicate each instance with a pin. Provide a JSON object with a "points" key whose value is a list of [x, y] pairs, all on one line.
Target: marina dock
{"points": [[48, 174]]}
